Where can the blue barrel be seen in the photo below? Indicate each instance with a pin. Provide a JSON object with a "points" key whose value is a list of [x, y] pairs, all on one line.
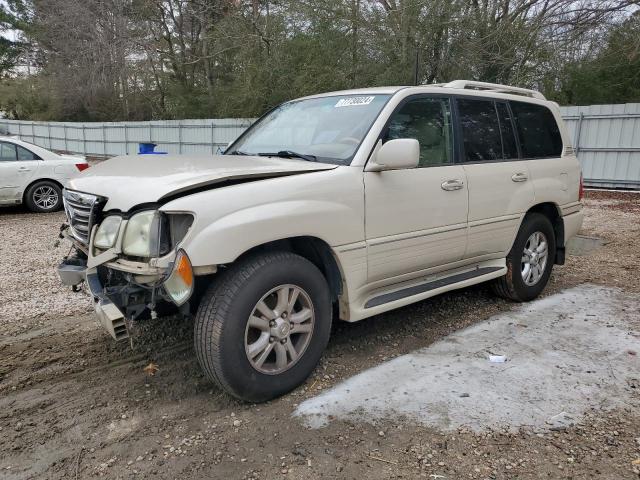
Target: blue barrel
{"points": [[148, 149]]}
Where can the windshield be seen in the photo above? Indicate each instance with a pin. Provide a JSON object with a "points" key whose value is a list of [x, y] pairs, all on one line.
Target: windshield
{"points": [[325, 129]]}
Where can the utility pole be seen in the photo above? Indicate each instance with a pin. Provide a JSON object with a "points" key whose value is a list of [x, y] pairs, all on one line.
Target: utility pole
{"points": [[416, 66]]}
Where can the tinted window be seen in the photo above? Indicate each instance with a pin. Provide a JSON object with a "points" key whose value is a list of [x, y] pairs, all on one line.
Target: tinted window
{"points": [[428, 120], [509, 148], [24, 154], [7, 152], [537, 129], [480, 130]]}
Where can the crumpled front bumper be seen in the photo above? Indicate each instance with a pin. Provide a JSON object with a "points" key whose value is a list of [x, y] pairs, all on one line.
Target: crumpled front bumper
{"points": [[72, 272]]}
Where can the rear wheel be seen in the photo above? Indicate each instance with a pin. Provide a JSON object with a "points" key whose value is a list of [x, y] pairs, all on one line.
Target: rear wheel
{"points": [[530, 261], [262, 327], [43, 197]]}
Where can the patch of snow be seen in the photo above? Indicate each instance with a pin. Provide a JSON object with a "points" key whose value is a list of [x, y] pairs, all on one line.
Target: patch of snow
{"points": [[565, 354]]}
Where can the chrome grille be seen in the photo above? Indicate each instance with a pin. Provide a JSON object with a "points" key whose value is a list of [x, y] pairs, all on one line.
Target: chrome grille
{"points": [[81, 209]]}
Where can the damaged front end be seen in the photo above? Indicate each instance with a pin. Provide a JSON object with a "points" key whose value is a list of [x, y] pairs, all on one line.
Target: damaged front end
{"points": [[132, 263]]}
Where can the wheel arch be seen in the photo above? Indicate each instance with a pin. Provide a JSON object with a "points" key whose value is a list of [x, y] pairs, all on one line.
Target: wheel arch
{"points": [[32, 183], [314, 249], [553, 213]]}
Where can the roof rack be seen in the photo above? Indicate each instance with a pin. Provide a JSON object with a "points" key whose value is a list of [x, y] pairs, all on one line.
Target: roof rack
{"points": [[494, 87]]}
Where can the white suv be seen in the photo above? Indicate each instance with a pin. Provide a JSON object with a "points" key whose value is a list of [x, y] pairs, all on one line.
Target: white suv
{"points": [[336, 206], [34, 176]]}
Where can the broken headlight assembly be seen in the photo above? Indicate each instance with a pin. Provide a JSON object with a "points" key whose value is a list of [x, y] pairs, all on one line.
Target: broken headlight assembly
{"points": [[145, 234], [152, 233], [107, 232], [142, 235]]}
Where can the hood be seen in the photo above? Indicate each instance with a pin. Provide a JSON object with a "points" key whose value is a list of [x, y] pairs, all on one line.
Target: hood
{"points": [[132, 180]]}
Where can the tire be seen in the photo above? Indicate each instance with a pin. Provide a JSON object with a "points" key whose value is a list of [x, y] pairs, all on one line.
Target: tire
{"points": [[513, 286], [224, 339], [43, 197]]}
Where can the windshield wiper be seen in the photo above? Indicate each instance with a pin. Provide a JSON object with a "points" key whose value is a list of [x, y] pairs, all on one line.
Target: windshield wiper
{"points": [[290, 154], [239, 152]]}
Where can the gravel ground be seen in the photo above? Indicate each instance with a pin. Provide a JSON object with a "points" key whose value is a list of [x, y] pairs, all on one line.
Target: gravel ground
{"points": [[74, 404], [30, 290]]}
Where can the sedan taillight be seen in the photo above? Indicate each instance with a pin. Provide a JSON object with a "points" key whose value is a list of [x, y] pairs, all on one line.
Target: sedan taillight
{"points": [[581, 191], [82, 166]]}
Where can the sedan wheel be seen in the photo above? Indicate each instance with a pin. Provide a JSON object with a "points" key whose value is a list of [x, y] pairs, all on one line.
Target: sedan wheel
{"points": [[43, 197]]}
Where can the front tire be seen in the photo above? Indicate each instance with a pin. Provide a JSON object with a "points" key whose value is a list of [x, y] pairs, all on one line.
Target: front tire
{"points": [[44, 197], [530, 261], [262, 327]]}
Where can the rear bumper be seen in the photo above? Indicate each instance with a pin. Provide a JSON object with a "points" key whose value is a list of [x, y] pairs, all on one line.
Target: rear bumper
{"points": [[572, 224]]}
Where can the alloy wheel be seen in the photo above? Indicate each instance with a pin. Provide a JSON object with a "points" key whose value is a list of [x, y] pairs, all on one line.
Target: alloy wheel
{"points": [[279, 329]]}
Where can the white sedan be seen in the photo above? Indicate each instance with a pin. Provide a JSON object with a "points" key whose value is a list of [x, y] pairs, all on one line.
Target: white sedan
{"points": [[33, 175]]}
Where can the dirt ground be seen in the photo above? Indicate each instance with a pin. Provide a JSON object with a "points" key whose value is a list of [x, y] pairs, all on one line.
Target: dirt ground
{"points": [[74, 404]]}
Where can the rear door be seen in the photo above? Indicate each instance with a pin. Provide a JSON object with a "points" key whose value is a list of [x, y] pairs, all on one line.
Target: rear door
{"points": [[18, 167], [9, 172], [500, 189], [417, 218], [555, 175]]}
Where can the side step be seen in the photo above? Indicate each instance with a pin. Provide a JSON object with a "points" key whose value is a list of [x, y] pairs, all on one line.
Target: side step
{"points": [[425, 287]]}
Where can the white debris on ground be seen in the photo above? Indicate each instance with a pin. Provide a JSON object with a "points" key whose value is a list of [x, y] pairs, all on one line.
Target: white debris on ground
{"points": [[565, 354], [30, 290]]}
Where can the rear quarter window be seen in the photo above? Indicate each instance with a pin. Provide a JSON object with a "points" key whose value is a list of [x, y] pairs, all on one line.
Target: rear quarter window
{"points": [[538, 131], [24, 154]]}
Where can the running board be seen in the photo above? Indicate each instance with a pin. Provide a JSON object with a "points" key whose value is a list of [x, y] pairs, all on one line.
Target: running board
{"points": [[425, 287]]}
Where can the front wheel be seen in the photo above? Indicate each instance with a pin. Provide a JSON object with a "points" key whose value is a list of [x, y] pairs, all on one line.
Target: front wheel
{"points": [[530, 260], [261, 328]]}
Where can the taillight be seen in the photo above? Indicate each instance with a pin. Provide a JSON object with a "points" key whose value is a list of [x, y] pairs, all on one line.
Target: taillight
{"points": [[82, 166], [581, 190]]}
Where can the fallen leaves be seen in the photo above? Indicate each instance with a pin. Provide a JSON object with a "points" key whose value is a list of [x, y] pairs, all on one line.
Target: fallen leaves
{"points": [[151, 369]]}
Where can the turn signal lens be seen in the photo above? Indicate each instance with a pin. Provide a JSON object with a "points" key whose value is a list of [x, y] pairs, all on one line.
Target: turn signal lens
{"points": [[82, 166], [179, 285]]}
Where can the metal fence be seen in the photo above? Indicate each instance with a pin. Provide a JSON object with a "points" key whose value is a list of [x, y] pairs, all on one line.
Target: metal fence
{"points": [[121, 138], [606, 137], [607, 141]]}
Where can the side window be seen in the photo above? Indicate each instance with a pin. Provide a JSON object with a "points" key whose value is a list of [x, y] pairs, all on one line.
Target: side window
{"points": [[480, 130], [509, 148], [537, 129], [24, 154], [428, 120], [7, 152]]}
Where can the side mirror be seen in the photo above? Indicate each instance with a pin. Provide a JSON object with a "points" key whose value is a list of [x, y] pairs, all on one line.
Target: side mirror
{"points": [[398, 154]]}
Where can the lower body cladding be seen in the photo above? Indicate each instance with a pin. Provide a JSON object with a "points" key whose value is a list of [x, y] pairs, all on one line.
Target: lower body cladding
{"points": [[118, 298]]}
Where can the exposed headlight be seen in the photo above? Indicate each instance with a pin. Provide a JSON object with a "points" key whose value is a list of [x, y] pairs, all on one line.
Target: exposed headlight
{"points": [[141, 235], [107, 232], [179, 285]]}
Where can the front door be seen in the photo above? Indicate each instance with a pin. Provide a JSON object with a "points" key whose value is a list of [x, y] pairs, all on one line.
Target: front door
{"points": [[417, 218], [500, 187]]}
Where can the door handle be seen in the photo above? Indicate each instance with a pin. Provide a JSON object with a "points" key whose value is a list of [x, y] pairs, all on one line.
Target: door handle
{"points": [[519, 177], [24, 169], [451, 185]]}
